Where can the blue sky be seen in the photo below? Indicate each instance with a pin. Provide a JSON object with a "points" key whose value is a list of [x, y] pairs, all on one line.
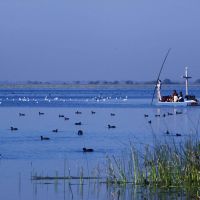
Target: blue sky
{"points": [[98, 39]]}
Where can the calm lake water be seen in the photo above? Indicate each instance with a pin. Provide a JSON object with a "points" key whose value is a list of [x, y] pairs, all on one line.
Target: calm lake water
{"points": [[23, 154]]}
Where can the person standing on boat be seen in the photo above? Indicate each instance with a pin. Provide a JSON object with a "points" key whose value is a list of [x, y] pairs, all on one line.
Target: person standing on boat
{"points": [[175, 96], [158, 90]]}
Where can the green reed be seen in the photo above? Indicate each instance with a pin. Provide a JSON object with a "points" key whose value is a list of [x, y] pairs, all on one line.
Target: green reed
{"points": [[166, 165]]}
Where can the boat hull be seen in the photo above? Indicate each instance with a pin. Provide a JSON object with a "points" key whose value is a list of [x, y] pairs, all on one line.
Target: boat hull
{"points": [[175, 104]]}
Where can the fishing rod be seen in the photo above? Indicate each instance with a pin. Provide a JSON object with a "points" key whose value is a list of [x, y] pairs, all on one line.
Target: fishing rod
{"points": [[160, 74]]}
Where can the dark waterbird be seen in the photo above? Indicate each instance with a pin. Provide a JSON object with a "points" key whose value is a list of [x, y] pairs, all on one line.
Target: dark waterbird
{"points": [[21, 114], [66, 118], [179, 112], [78, 123], [111, 126], [44, 138], [157, 115], [78, 112], [13, 128], [145, 115], [178, 134], [167, 132], [87, 150], [164, 115], [41, 113], [55, 130], [149, 121], [61, 116], [112, 114], [80, 132], [93, 112], [169, 113]]}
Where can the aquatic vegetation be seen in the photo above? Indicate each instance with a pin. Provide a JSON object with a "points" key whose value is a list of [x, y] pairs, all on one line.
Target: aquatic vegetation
{"points": [[166, 165], [163, 170]]}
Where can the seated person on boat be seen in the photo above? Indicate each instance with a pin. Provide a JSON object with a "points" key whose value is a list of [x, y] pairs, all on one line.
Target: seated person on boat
{"points": [[173, 98], [180, 98]]}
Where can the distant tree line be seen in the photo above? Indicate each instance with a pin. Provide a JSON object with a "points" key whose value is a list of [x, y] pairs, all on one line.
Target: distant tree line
{"points": [[166, 81]]}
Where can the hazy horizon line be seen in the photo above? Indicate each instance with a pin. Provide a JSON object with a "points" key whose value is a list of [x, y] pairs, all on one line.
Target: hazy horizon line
{"points": [[96, 82]]}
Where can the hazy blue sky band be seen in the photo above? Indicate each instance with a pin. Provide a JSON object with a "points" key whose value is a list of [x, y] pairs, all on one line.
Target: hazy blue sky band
{"points": [[98, 39]]}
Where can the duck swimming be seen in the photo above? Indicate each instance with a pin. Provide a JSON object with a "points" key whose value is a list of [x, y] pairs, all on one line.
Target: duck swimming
{"points": [[44, 138], [87, 150], [78, 123], [13, 129], [111, 126], [80, 132]]}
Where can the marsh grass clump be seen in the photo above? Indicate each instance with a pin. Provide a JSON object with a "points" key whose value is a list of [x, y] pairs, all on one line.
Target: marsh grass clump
{"points": [[116, 174], [164, 165], [124, 170]]}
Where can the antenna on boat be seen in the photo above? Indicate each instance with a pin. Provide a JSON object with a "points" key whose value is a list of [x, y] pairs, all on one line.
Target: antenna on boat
{"points": [[186, 77], [160, 74]]}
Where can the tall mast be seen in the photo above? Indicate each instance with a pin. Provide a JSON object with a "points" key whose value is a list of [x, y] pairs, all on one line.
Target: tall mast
{"points": [[186, 77], [160, 74]]}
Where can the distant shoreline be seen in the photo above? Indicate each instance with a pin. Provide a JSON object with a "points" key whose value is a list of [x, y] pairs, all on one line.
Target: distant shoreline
{"points": [[81, 86]]}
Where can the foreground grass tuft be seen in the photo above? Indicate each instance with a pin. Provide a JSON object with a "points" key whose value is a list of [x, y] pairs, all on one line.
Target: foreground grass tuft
{"points": [[166, 165]]}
